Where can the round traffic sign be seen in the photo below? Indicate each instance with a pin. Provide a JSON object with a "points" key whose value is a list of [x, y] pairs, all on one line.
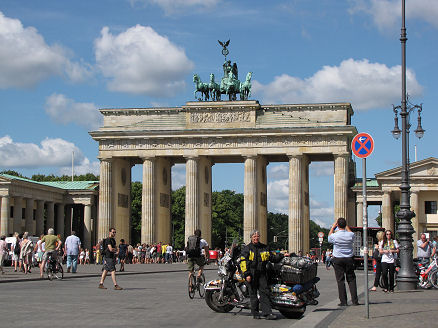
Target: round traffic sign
{"points": [[321, 234], [362, 145]]}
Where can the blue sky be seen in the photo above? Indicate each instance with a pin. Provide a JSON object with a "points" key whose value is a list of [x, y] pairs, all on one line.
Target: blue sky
{"points": [[62, 60]]}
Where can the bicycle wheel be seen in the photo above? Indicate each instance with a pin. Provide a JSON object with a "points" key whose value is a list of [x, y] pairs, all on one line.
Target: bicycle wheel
{"points": [[433, 278], [192, 286], [201, 287], [49, 272], [59, 271]]}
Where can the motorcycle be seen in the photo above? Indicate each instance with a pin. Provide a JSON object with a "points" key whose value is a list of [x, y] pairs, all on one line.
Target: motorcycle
{"points": [[232, 291]]}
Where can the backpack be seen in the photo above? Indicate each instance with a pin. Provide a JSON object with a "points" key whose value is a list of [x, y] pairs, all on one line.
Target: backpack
{"points": [[193, 249], [17, 249], [102, 247]]}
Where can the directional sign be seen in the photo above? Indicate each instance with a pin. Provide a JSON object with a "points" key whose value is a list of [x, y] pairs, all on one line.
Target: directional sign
{"points": [[362, 145], [321, 234]]}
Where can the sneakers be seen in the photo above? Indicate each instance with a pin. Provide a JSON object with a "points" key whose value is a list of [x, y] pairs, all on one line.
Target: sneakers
{"points": [[117, 287], [342, 304], [68, 270], [270, 317], [101, 286]]}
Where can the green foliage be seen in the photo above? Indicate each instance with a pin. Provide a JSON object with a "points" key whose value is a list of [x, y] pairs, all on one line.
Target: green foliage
{"points": [[379, 219], [178, 205], [136, 190], [14, 173], [52, 177], [314, 240], [227, 217], [277, 226]]}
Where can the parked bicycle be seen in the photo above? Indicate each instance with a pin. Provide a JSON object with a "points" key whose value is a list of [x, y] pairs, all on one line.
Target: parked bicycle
{"points": [[196, 283], [427, 274]]}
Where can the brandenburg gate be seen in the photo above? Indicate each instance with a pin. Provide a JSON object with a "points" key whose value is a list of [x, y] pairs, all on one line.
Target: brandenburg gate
{"points": [[203, 133]]}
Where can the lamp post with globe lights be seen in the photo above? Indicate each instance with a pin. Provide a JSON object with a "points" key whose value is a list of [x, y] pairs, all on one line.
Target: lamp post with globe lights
{"points": [[406, 279]]}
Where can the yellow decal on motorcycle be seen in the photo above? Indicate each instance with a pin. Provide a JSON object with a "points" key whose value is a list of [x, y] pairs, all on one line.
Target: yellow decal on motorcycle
{"points": [[264, 256]]}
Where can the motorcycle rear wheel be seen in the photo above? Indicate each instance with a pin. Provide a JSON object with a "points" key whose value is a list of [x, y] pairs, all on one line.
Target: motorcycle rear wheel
{"points": [[293, 314], [211, 298]]}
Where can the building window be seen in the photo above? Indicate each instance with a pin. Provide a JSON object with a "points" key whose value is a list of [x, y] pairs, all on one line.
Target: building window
{"points": [[430, 207]]}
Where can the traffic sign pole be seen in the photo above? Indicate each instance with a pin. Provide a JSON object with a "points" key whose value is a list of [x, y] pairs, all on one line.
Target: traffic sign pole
{"points": [[362, 146]]}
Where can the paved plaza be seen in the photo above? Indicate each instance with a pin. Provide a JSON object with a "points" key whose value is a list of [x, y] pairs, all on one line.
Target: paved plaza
{"points": [[155, 295]]}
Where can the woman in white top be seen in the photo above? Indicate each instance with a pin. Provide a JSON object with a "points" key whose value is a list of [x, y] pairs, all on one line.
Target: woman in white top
{"points": [[388, 248]]}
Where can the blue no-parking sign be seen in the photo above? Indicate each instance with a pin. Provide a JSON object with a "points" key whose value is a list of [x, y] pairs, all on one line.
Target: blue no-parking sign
{"points": [[362, 145]]}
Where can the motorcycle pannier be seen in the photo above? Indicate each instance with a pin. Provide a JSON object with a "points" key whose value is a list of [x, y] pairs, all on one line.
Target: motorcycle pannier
{"points": [[297, 270]]}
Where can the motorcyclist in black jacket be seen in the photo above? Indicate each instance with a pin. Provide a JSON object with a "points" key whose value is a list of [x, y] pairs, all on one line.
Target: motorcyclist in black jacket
{"points": [[254, 258]]}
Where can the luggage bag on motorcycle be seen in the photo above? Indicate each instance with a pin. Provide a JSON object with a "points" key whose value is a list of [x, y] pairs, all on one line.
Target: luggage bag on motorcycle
{"points": [[297, 270]]}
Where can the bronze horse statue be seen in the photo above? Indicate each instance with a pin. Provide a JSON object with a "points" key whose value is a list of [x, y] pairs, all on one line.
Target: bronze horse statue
{"points": [[201, 87]]}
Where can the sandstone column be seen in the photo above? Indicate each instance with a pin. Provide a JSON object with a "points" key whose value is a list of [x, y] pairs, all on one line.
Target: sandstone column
{"points": [[192, 196], [341, 186], [105, 198], [359, 214], [87, 226], [296, 209], [387, 216], [60, 227], [306, 204], [262, 202], [148, 202], [250, 198], [29, 216], [415, 220], [4, 218], [18, 214], [68, 218], [39, 220], [50, 223]]}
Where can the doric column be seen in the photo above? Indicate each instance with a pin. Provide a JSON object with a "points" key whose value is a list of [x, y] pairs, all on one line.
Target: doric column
{"points": [[250, 217], [148, 202], [341, 186], [4, 218], [296, 209], [50, 222], [60, 217], [39, 219], [29, 216], [415, 220], [105, 198], [192, 196], [387, 217], [18, 214], [87, 226], [359, 214], [67, 222]]}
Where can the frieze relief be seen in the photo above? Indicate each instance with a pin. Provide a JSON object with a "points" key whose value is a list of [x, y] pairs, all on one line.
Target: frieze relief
{"points": [[222, 142], [220, 117]]}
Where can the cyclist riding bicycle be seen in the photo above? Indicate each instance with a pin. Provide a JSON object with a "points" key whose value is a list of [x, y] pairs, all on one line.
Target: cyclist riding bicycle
{"points": [[197, 253], [52, 245]]}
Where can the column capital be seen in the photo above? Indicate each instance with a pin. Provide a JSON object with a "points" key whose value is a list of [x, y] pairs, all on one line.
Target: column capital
{"points": [[293, 156], [343, 155], [148, 158], [192, 157], [105, 159]]}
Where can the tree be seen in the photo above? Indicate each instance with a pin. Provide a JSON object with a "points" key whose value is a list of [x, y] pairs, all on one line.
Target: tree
{"points": [[14, 173], [178, 205], [278, 227], [136, 191]]}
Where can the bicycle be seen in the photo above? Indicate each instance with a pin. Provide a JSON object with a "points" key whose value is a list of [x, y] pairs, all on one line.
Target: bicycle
{"points": [[196, 284], [53, 267]]}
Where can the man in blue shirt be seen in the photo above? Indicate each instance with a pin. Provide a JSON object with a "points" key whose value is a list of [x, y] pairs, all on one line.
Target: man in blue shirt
{"points": [[342, 260], [72, 250]]}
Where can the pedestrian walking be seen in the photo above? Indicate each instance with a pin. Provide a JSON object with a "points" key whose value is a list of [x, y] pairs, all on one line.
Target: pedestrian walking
{"points": [[72, 248], [110, 253], [123, 250], [388, 248], [3, 252], [342, 260], [378, 260], [26, 253], [15, 249]]}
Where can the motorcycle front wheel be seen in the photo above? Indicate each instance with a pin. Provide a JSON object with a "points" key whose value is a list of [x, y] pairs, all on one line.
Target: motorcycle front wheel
{"points": [[212, 300], [293, 314]]}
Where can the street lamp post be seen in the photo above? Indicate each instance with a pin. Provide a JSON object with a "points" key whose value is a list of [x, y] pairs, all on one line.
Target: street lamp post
{"points": [[406, 279]]}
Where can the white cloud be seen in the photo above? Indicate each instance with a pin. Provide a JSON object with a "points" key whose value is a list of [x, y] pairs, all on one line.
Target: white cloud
{"points": [[176, 6], [52, 152], [64, 110], [26, 59], [84, 167], [386, 13], [278, 171], [320, 169], [140, 61], [366, 85], [178, 176]]}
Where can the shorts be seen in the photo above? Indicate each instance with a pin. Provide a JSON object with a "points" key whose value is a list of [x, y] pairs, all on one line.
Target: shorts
{"points": [[199, 261], [109, 265], [40, 256], [14, 257], [122, 256], [46, 255]]}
